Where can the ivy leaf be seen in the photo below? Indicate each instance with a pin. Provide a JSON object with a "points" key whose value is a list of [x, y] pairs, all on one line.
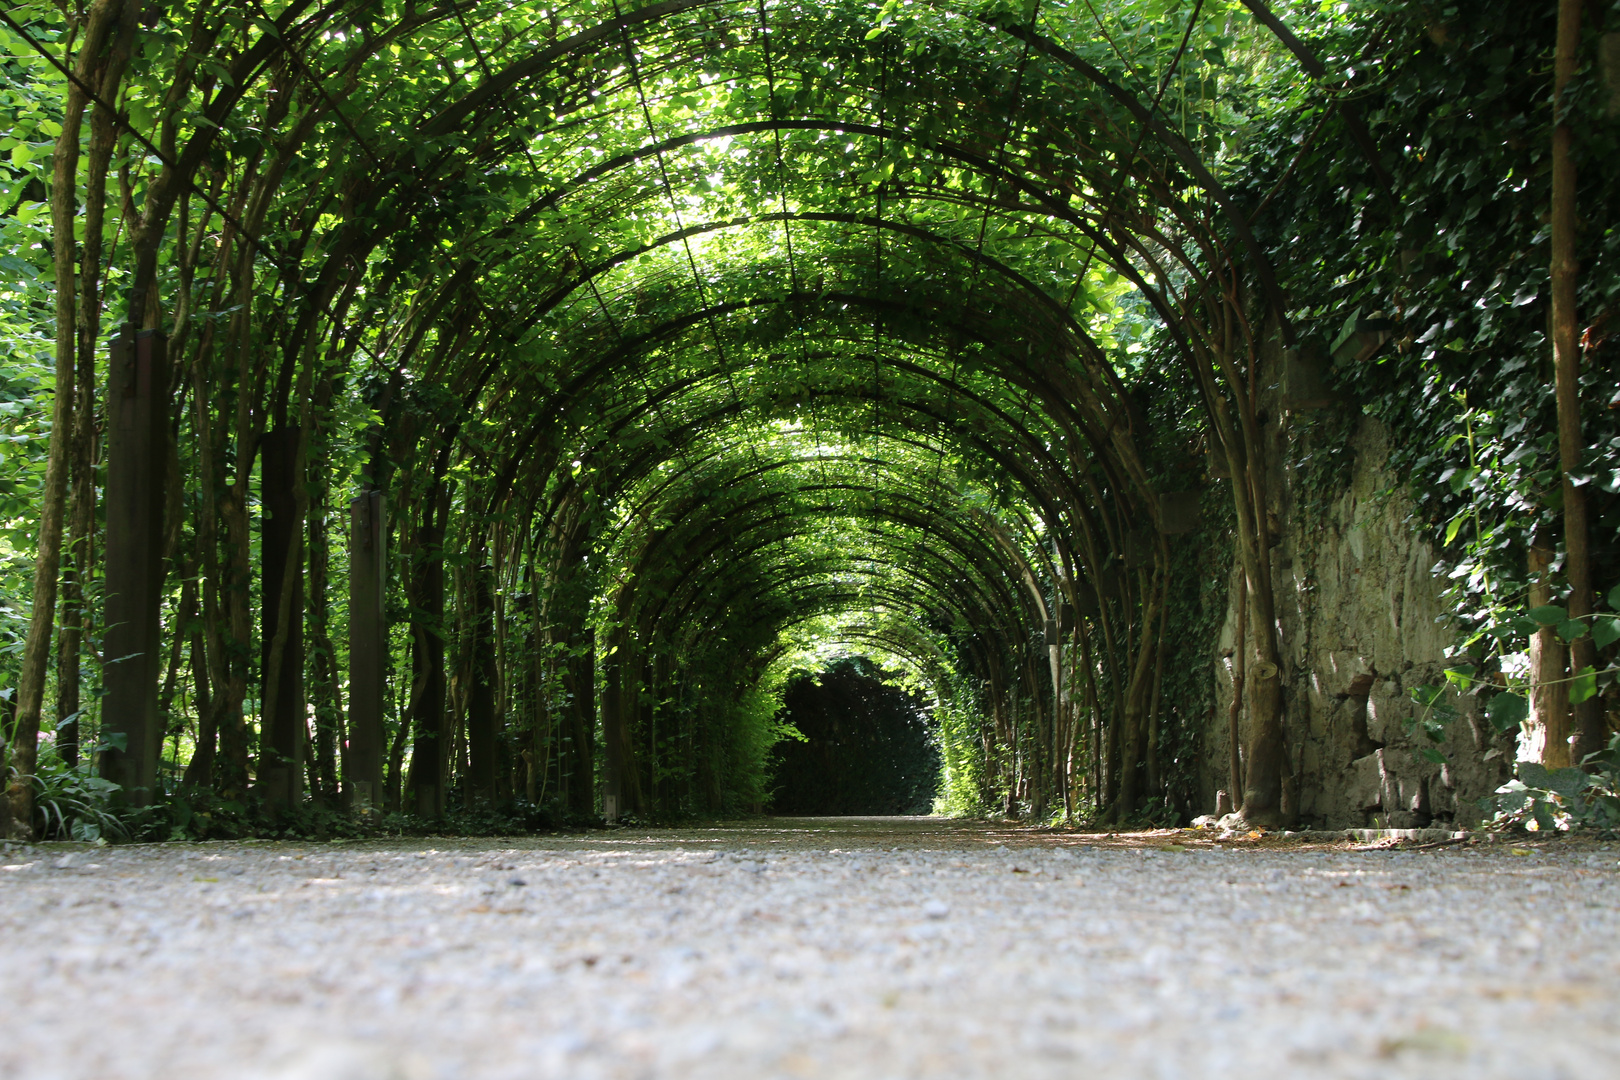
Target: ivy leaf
{"points": [[1456, 526], [1426, 696], [1507, 711], [1570, 629], [1584, 686], [1549, 615], [1461, 676], [1525, 625], [1605, 630], [1614, 598], [1430, 754]]}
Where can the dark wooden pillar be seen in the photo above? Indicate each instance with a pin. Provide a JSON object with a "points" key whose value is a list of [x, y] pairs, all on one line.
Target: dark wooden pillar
{"points": [[137, 432], [482, 723], [430, 752], [368, 650], [282, 737]]}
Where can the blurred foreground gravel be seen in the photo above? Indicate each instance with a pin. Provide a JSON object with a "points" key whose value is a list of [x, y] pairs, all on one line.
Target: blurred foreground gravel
{"points": [[848, 948]]}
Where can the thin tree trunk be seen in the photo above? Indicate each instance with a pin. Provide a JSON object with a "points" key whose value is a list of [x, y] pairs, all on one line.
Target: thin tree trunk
{"points": [[82, 516], [1587, 727], [1547, 738], [200, 769], [481, 674], [325, 694], [171, 678], [432, 750], [1137, 695], [1155, 772], [1234, 714], [64, 205], [234, 738]]}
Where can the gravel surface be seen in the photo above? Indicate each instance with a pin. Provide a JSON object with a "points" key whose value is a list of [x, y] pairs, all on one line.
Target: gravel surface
{"points": [[848, 948]]}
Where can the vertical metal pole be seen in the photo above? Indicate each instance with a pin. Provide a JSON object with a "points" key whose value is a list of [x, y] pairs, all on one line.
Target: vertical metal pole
{"points": [[132, 730], [368, 648]]}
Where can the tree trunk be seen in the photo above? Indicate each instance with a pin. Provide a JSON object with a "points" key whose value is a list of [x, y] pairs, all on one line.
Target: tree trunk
{"points": [[82, 517], [326, 696], [47, 558], [1588, 729], [1234, 713], [430, 754], [137, 467], [200, 770], [1546, 739], [481, 719], [368, 651], [281, 667], [580, 759]]}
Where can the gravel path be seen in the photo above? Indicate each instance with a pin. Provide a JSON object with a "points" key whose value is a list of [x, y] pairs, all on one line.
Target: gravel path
{"points": [[848, 948]]}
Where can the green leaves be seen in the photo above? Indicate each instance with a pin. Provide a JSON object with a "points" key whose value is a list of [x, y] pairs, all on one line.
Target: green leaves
{"points": [[1570, 629], [1605, 630], [1583, 687], [1566, 782], [1435, 714], [1549, 615], [1507, 711], [1547, 799]]}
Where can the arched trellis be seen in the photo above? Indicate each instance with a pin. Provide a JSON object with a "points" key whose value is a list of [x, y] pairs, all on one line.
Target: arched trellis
{"points": [[389, 281]]}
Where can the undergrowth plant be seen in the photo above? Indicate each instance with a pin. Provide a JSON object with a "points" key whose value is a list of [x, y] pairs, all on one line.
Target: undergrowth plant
{"points": [[1539, 799], [72, 803]]}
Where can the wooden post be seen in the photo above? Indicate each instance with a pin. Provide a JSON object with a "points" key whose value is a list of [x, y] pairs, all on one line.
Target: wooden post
{"points": [[132, 730], [368, 648], [282, 737]]}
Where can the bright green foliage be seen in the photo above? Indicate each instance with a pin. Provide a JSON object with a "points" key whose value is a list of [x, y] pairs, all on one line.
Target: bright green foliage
{"points": [[688, 341]]}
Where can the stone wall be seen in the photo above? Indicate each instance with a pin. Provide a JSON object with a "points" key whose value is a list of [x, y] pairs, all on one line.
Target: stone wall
{"points": [[1361, 619]]}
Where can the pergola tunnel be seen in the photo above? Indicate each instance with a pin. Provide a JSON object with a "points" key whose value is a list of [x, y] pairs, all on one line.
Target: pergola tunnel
{"points": [[474, 405]]}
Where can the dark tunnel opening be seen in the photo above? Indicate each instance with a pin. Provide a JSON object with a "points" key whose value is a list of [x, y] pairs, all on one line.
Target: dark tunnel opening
{"points": [[867, 749]]}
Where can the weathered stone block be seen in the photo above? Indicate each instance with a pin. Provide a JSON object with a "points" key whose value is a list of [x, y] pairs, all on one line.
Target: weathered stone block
{"points": [[1365, 789]]}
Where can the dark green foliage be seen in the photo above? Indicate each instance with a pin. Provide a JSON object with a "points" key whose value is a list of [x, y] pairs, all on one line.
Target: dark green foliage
{"points": [[193, 813], [868, 747], [1455, 259], [1543, 800]]}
